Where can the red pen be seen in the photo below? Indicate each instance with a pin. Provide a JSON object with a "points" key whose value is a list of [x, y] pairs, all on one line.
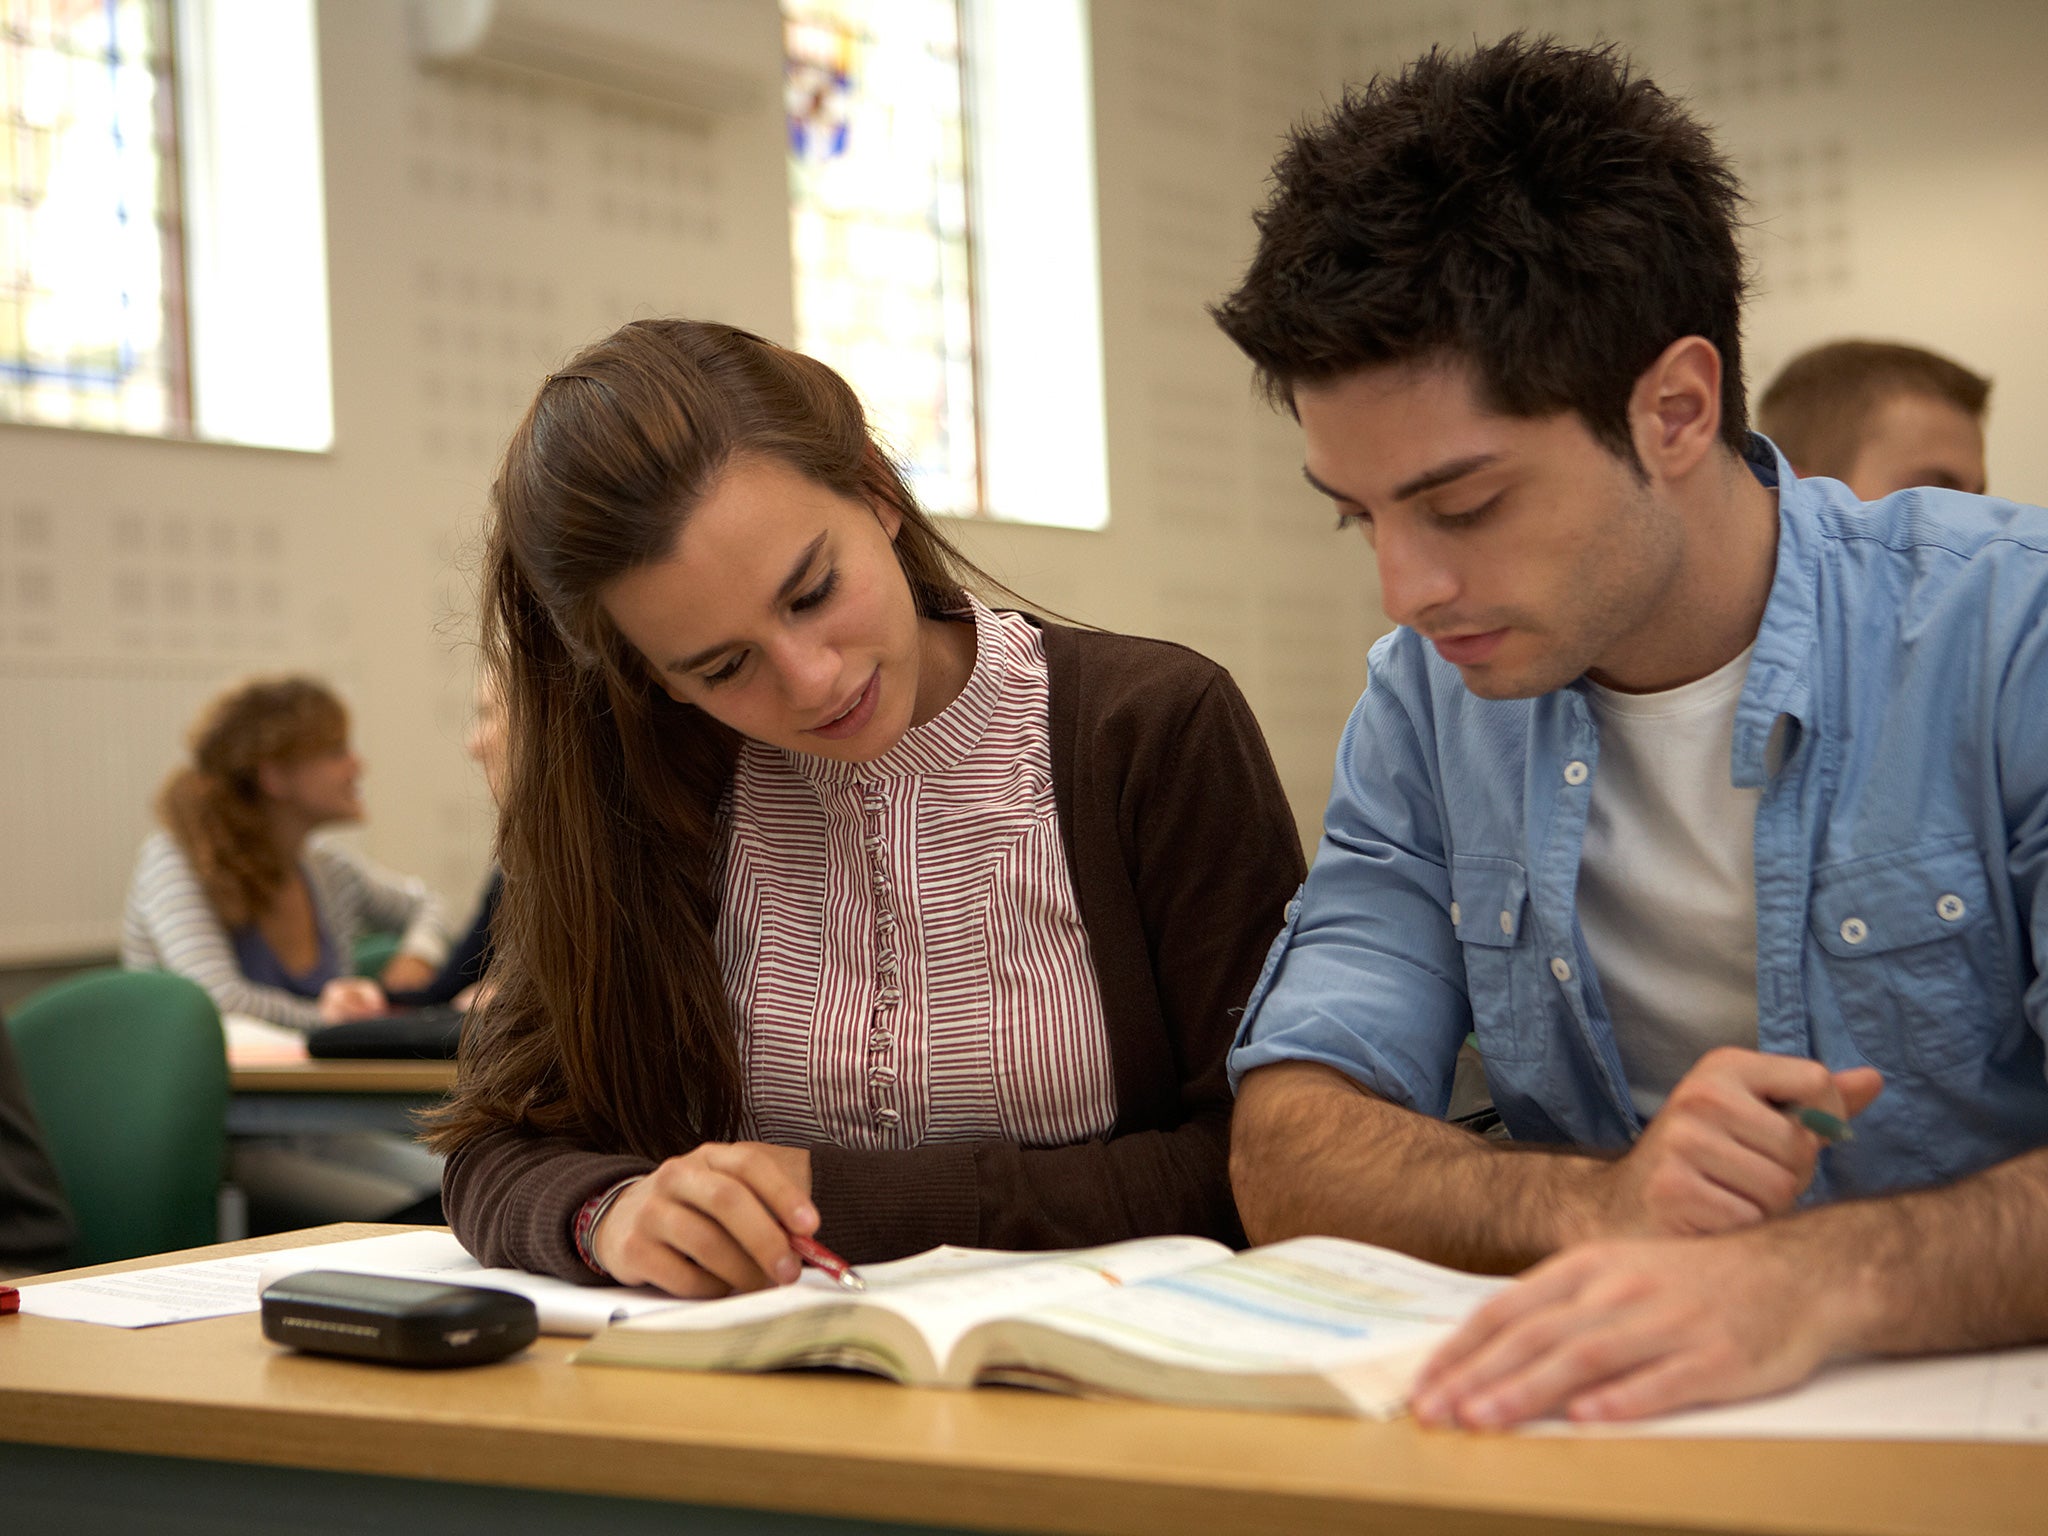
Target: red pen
{"points": [[10, 1300], [816, 1254]]}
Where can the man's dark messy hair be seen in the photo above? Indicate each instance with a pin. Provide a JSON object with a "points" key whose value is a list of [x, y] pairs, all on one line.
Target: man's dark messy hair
{"points": [[1534, 211]]}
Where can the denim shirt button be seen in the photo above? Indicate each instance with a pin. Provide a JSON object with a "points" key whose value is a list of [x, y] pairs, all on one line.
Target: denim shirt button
{"points": [[1950, 908], [1457, 917], [1507, 924], [1854, 930], [1575, 772], [1560, 969]]}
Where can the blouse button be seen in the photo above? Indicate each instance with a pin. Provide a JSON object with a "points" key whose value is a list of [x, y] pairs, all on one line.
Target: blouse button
{"points": [[1950, 908], [1854, 930]]}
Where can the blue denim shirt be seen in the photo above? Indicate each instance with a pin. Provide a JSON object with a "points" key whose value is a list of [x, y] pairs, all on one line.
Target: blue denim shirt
{"points": [[1895, 717]]}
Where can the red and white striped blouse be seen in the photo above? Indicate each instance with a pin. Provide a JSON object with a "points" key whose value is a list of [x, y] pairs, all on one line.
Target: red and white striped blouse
{"points": [[900, 938]]}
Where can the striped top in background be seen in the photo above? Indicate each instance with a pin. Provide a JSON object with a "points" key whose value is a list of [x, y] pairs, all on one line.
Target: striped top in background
{"points": [[900, 938], [170, 925]]}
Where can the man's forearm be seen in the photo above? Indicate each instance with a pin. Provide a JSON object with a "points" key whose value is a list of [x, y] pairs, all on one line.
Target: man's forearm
{"points": [[1311, 1152], [1961, 1267]]}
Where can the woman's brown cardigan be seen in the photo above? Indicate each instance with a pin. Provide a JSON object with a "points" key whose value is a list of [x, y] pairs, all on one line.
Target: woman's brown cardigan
{"points": [[1184, 855]]}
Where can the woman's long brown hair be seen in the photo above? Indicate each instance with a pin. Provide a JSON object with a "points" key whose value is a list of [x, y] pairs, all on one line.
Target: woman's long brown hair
{"points": [[213, 804], [607, 1019]]}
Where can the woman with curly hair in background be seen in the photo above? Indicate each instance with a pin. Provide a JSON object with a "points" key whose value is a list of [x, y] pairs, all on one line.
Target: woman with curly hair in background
{"points": [[240, 896]]}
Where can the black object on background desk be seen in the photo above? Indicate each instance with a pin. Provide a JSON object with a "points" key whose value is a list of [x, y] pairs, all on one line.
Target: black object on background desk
{"points": [[430, 1034]]}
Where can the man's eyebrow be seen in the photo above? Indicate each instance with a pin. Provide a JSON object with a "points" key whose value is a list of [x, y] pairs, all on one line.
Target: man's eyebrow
{"points": [[1430, 480], [783, 594]]}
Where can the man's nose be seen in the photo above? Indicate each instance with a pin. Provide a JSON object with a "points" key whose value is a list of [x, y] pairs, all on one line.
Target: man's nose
{"points": [[1415, 576]]}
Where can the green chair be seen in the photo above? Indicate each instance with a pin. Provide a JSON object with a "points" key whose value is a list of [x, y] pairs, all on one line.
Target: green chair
{"points": [[374, 951], [129, 1076]]}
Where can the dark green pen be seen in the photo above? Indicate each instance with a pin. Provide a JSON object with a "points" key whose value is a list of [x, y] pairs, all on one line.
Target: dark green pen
{"points": [[1829, 1128]]}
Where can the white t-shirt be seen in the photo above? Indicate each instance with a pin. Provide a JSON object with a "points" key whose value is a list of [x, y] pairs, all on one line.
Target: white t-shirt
{"points": [[1667, 881]]}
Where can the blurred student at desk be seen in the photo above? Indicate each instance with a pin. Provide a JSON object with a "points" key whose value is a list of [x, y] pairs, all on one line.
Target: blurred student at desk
{"points": [[240, 896], [460, 982]]}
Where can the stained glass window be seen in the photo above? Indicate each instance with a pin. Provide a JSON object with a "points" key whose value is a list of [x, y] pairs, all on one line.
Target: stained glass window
{"points": [[91, 312], [879, 198]]}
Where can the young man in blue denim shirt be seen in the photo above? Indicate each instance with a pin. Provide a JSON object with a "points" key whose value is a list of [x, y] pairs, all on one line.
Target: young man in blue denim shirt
{"points": [[1702, 795]]}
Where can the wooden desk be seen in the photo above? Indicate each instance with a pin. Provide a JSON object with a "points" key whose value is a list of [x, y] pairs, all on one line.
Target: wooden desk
{"points": [[322, 1096], [362, 1076], [818, 1445]]}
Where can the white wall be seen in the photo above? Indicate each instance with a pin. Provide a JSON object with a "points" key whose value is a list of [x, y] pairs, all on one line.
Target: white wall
{"points": [[477, 234]]}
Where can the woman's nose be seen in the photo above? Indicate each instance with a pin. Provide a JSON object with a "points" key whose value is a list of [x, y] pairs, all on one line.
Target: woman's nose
{"points": [[809, 674]]}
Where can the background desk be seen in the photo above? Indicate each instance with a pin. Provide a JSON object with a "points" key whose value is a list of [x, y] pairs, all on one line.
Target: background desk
{"points": [[807, 1447], [321, 1096]]}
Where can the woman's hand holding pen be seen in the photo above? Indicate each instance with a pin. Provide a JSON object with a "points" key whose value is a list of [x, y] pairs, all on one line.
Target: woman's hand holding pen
{"points": [[1722, 1154], [715, 1220]]}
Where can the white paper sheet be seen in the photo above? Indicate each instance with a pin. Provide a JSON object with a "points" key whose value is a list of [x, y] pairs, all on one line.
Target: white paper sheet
{"points": [[182, 1293], [1997, 1395], [254, 1042], [145, 1298]]}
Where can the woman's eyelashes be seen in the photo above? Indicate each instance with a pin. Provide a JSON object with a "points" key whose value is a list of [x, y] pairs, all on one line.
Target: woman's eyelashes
{"points": [[817, 594], [800, 604]]}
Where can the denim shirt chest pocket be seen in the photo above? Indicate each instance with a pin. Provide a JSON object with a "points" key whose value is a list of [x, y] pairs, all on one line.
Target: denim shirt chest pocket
{"points": [[1909, 946], [1489, 913]]}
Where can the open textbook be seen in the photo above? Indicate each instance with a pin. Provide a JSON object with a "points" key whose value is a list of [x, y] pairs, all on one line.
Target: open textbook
{"points": [[1317, 1323]]}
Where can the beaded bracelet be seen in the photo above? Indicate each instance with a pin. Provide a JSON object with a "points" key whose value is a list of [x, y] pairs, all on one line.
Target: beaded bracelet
{"points": [[592, 1212]]}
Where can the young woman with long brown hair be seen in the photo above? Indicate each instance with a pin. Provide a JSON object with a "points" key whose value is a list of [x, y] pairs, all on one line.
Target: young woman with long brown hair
{"points": [[835, 902]]}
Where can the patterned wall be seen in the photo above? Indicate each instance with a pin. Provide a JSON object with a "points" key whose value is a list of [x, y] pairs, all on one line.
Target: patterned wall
{"points": [[481, 229]]}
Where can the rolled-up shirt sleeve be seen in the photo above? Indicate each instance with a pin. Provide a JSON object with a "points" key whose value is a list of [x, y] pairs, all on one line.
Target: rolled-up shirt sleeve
{"points": [[1367, 977]]}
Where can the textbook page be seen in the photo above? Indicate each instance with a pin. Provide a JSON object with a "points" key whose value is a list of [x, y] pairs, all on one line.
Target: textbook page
{"points": [[936, 1296], [1313, 1322], [1993, 1395]]}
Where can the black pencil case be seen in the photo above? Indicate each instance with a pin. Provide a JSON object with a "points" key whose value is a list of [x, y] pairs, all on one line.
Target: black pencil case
{"points": [[397, 1322]]}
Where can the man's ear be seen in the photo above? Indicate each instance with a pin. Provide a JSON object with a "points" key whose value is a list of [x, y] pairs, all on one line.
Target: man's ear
{"points": [[1674, 412]]}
